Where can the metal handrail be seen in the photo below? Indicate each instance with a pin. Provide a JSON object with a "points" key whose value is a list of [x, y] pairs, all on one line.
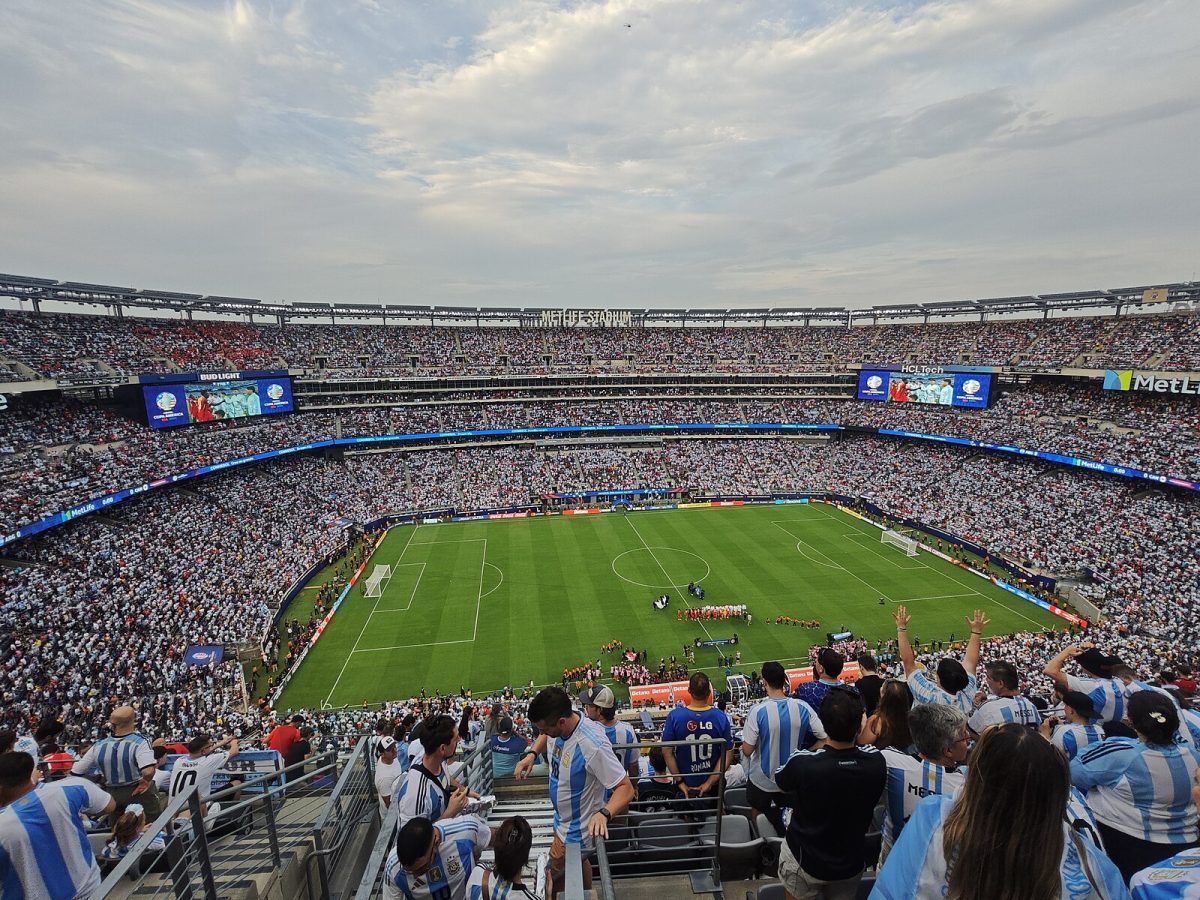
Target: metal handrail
{"points": [[359, 749], [383, 844]]}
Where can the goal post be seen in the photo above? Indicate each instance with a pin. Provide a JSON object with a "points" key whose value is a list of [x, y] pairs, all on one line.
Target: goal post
{"points": [[378, 580], [901, 541]]}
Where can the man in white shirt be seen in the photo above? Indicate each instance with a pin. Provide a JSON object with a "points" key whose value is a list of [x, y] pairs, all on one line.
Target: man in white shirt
{"points": [[44, 851], [198, 767], [387, 770]]}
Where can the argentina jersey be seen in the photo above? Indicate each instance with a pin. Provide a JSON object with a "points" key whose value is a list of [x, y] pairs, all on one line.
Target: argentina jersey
{"points": [[1107, 695], [909, 781], [582, 767], [776, 728], [1005, 710], [462, 840], [1072, 739], [44, 851], [926, 690], [1177, 878], [623, 733], [420, 795], [1185, 734], [119, 759], [1139, 789]]}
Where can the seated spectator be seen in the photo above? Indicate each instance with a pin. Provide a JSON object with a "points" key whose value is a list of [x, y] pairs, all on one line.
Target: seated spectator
{"points": [[970, 847], [942, 738], [955, 682], [658, 791], [507, 748], [128, 827], [1140, 791]]}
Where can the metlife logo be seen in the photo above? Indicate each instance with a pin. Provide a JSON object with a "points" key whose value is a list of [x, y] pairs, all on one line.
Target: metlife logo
{"points": [[1150, 382]]}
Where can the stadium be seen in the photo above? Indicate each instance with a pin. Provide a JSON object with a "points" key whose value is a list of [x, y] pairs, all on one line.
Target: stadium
{"points": [[599, 450], [463, 514]]}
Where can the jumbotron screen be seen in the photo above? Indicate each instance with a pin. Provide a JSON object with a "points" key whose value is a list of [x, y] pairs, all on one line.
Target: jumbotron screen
{"points": [[194, 403], [970, 390]]}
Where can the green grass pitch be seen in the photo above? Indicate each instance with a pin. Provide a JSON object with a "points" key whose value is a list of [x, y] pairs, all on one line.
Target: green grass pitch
{"points": [[485, 604]]}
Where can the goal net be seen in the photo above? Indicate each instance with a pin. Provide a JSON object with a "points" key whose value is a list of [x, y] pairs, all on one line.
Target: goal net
{"points": [[901, 541], [378, 580]]}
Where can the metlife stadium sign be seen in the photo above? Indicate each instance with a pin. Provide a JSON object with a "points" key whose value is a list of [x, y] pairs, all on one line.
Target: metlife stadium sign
{"points": [[1151, 382]]}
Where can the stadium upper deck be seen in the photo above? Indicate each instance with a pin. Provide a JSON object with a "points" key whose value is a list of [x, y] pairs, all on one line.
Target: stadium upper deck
{"points": [[103, 347]]}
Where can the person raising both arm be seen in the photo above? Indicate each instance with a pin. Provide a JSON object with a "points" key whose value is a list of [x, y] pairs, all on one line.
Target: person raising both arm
{"points": [[953, 682]]}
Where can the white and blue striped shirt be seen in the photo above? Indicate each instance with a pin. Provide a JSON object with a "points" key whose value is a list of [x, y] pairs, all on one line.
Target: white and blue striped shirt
{"points": [[1071, 739], [497, 887], [119, 759], [925, 690], [463, 839], [1004, 710], [419, 795], [776, 728], [623, 733], [1185, 732], [1142, 790], [1177, 878], [44, 851], [582, 768], [1107, 695], [910, 780]]}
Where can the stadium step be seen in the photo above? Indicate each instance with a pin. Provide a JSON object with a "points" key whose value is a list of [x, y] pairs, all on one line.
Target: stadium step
{"points": [[538, 812]]}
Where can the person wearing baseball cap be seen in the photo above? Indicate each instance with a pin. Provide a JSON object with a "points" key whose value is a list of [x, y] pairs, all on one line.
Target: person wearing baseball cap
{"points": [[387, 770], [1077, 729], [600, 705], [1106, 692]]}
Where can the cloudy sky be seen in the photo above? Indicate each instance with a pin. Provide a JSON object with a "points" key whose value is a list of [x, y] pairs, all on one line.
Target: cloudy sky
{"points": [[589, 153]]}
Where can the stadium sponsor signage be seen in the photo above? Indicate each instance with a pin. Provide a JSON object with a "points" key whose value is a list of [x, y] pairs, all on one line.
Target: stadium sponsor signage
{"points": [[178, 377], [923, 370], [1151, 382], [586, 318]]}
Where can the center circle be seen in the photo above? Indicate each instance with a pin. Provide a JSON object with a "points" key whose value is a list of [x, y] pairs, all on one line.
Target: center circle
{"points": [[652, 567]]}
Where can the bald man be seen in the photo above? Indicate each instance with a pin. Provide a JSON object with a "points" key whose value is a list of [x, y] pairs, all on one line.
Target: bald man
{"points": [[126, 760]]}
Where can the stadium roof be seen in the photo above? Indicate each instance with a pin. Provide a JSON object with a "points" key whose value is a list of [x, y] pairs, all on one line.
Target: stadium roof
{"points": [[117, 299]]}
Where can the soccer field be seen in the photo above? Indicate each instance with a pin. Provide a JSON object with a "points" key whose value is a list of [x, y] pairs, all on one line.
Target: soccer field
{"points": [[485, 604]]}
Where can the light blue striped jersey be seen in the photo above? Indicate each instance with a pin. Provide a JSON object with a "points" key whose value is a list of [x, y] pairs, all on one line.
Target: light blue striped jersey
{"points": [[420, 795], [623, 733], [917, 867], [463, 839], [44, 851], [1185, 735], [1177, 878], [1107, 694], [1143, 790], [497, 887], [776, 728], [1071, 738], [582, 767], [925, 690], [910, 780], [1002, 711], [119, 759]]}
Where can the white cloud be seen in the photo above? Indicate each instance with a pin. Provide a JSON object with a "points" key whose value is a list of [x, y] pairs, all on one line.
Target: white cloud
{"points": [[659, 151]]}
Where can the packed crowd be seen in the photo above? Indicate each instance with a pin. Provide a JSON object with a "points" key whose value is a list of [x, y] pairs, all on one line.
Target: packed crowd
{"points": [[58, 453], [58, 346]]}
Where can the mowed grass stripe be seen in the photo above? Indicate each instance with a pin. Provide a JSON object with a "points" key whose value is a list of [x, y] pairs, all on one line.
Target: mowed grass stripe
{"points": [[560, 598]]}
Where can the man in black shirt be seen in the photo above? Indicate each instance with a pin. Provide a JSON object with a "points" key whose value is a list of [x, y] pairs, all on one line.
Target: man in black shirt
{"points": [[869, 683], [834, 791]]}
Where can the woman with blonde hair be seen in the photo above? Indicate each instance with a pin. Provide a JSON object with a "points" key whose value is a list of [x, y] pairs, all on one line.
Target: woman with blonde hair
{"points": [[1004, 836]]}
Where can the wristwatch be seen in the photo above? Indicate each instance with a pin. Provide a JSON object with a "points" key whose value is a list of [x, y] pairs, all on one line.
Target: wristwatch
{"points": [[528, 753], [604, 812]]}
